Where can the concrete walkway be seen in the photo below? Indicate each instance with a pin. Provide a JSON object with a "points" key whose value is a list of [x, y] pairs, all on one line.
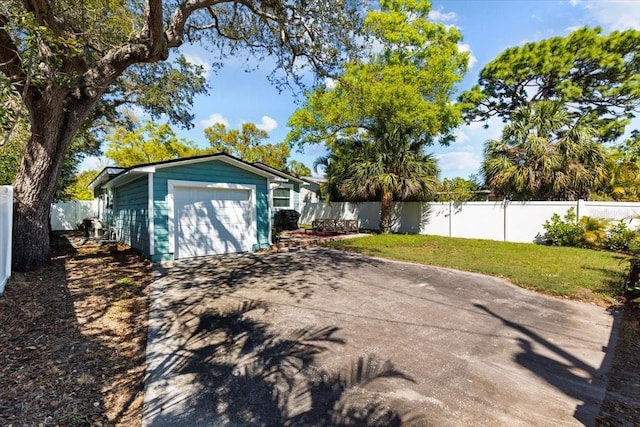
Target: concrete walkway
{"points": [[322, 337]]}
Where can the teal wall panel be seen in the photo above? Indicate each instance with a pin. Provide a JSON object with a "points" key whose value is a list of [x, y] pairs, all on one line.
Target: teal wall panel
{"points": [[132, 214]]}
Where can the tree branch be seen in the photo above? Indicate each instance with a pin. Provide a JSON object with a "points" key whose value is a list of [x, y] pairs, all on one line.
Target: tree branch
{"points": [[44, 15], [10, 61], [41, 10], [175, 30], [154, 31]]}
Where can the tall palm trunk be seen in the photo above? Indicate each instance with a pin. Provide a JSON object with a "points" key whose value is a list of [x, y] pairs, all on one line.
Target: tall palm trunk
{"points": [[386, 210]]}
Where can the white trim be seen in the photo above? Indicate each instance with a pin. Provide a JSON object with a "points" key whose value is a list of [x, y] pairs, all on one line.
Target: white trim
{"points": [[128, 176], [223, 158], [270, 187], [173, 184], [114, 207], [152, 245], [291, 196]]}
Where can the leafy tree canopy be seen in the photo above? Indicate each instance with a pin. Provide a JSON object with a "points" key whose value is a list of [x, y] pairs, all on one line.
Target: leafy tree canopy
{"points": [[596, 76], [247, 144], [406, 84], [147, 144], [297, 168], [80, 190], [459, 190], [622, 166], [11, 152]]}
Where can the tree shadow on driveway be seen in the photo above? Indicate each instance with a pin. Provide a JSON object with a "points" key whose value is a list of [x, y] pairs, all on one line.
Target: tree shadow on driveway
{"points": [[214, 357], [296, 273], [563, 370], [240, 372]]}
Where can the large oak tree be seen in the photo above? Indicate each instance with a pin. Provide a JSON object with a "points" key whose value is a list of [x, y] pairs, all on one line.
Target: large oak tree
{"points": [[63, 57]]}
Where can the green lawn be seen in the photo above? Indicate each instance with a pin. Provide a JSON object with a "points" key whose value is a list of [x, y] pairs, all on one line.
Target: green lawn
{"points": [[575, 273]]}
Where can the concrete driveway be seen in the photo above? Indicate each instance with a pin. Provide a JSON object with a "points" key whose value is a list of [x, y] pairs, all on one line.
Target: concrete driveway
{"points": [[322, 337]]}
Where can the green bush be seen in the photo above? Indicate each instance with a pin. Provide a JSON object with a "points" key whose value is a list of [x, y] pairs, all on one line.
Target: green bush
{"points": [[620, 237], [563, 231], [590, 232], [593, 232]]}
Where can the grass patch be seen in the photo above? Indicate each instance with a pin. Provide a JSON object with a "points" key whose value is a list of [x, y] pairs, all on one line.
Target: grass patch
{"points": [[581, 274]]}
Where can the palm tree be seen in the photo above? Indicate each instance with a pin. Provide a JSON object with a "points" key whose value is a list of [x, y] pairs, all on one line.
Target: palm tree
{"points": [[623, 166], [390, 166], [337, 166], [543, 156]]}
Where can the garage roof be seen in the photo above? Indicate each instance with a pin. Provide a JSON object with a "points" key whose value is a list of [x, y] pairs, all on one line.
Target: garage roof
{"points": [[129, 174]]}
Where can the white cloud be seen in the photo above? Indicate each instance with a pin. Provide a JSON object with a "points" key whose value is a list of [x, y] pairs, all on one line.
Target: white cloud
{"points": [[329, 83], [572, 28], [463, 47], [461, 136], [574, 2], [213, 119], [454, 162], [614, 14], [439, 15], [196, 60], [491, 129], [267, 124]]}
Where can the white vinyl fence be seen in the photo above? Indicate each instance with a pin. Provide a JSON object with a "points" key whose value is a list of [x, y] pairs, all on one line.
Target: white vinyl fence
{"points": [[505, 220], [6, 226], [67, 215]]}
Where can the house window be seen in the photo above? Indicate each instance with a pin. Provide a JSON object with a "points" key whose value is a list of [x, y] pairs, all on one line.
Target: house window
{"points": [[283, 198]]}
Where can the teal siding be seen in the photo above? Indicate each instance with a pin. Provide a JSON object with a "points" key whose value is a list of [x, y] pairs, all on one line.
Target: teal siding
{"points": [[132, 214], [211, 171], [296, 196]]}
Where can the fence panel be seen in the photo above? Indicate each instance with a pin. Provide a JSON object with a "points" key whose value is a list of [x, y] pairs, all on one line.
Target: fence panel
{"points": [[510, 221], [478, 220], [437, 218], [524, 220], [67, 215], [629, 211], [6, 226]]}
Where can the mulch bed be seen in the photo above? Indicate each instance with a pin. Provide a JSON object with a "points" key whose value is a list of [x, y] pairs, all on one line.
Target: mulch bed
{"points": [[73, 338]]}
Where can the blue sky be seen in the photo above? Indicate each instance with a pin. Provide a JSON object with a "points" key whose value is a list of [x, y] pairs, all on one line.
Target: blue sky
{"points": [[488, 27]]}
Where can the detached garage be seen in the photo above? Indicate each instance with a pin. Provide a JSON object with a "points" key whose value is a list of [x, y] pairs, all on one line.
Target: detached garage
{"points": [[189, 207]]}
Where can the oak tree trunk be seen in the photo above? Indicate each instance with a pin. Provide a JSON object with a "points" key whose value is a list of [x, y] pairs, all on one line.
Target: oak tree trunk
{"points": [[54, 121]]}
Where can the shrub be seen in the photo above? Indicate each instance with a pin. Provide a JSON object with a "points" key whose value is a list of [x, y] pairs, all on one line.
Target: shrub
{"points": [[593, 232], [563, 231], [620, 237]]}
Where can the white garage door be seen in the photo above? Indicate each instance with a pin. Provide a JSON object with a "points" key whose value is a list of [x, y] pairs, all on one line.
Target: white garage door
{"points": [[213, 221]]}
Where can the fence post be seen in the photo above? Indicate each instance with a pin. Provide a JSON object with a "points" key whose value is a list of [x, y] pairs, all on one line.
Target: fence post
{"points": [[6, 228], [579, 204], [505, 203], [450, 216]]}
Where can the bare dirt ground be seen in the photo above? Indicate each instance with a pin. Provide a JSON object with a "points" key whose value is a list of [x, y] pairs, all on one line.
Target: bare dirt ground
{"points": [[73, 338]]}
